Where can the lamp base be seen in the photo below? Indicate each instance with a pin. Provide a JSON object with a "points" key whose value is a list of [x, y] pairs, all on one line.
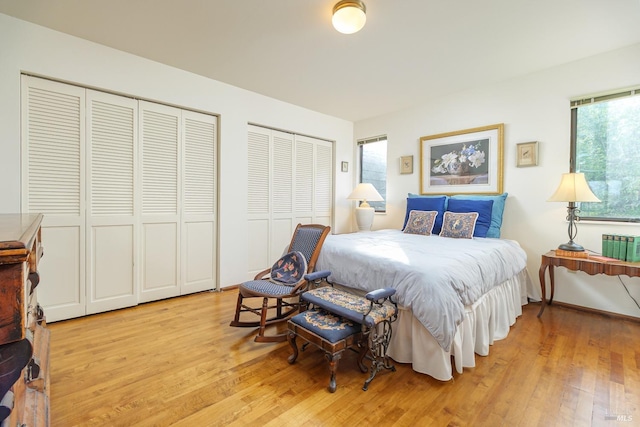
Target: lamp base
{"points": [[571, 246], [364, 217]]}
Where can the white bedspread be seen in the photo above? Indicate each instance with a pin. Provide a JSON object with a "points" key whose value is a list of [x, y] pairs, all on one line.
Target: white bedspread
{"points": [[436, 277]]}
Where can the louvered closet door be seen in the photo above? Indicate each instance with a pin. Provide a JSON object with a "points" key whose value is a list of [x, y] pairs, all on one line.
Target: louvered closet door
{"points": [[258, 199], [323, 183], [53, 132], [270, 195], [111, 209], [290, 181], [282, 198], [304, 183], [199, 135], [314, 181], [160, 175]]}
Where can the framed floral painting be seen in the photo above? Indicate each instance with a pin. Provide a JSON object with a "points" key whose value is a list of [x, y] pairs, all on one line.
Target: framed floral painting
{"points": [[466, 161]]}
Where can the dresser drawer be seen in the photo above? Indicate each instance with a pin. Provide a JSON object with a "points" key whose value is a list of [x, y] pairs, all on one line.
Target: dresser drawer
{"points": [[13, 302]]}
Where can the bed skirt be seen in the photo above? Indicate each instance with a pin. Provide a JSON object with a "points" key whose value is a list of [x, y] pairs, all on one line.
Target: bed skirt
{"points": [[487, 320]]}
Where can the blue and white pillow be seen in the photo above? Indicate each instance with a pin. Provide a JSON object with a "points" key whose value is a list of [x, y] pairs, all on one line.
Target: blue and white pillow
{"points": [[420, 222], [459, 225]]}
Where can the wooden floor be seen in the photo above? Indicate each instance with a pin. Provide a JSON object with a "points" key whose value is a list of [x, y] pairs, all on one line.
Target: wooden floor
{"points": [[177, 362]]}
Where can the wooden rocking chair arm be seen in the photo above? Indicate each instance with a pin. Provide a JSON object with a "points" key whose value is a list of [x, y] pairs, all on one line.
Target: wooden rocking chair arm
{"points": [[262, 274]]}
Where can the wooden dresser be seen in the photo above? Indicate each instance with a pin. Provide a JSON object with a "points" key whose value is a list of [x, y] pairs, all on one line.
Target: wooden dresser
{"points": [[23, 333]]}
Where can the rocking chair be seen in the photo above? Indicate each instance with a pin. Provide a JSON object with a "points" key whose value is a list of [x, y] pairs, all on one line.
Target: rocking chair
{"points": [[284, 282]]}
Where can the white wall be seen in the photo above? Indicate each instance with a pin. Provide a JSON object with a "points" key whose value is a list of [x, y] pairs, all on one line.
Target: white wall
{"points": [[29, 48], [533, 108]]}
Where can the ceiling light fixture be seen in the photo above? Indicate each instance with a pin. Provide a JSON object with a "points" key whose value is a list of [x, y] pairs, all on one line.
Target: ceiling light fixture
{"points": [[349, 16]]}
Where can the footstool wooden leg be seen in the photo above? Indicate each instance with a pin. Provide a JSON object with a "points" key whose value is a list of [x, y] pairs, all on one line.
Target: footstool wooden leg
{"points": [[333, 367]]}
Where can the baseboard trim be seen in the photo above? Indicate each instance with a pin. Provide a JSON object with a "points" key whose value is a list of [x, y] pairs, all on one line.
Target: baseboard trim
{"points": [[595, 311]]}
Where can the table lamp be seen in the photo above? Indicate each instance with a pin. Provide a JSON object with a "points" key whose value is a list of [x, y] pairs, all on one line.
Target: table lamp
{"points": [[364, 212], [573, 188]]}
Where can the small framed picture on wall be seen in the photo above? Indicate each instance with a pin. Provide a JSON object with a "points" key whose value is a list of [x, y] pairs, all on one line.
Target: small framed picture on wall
{"points": [[406, 164], [527, 154]]}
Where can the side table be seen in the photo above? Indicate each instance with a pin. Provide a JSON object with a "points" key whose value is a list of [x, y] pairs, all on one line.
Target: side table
{"points": [[588, 265]]}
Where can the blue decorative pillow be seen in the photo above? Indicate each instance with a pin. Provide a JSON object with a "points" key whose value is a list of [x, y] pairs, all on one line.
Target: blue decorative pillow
{"points": [[426, 203], [290, 269], [459, 225], [496, 211], [420, 222], [482, 207]]}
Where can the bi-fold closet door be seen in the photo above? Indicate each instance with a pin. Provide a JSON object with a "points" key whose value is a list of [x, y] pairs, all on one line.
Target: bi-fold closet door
{"points": [[178, 194], [128, 192], [290, 181]]}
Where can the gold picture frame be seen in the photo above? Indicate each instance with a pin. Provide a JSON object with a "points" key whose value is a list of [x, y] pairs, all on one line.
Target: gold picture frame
{"points": [[527, 154], [406, 164], [467, 161]]}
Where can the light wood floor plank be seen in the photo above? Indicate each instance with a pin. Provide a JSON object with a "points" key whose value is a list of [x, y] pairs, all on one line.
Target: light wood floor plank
{"points": [[177, 362]]}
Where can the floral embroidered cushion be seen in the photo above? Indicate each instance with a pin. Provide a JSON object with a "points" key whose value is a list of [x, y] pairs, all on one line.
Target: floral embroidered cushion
{"points": [[459, 225], [290, 269], [420, 222]]}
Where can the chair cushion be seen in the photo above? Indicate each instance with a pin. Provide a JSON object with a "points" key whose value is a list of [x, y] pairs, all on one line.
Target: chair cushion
{"points": [[329, 326], [266, 287], [290, 269], [348, 305]]}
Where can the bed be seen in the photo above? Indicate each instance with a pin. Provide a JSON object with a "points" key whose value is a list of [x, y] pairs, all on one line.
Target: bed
{"points": [[457, 295]]}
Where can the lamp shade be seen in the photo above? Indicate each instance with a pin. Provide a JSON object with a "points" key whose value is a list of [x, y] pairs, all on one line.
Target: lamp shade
{"points": [[573, 188], [349, 16], [365, 191]]}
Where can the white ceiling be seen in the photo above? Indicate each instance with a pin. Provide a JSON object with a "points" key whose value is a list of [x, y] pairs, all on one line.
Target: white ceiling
{"points": [[408, 51]]}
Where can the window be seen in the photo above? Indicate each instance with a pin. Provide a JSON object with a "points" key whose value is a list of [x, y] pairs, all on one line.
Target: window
{"points": [[373, 167], [605, 138]]}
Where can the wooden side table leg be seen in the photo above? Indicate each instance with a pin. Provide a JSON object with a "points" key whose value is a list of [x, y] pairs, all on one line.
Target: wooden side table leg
{"points": [[543, 286], [552, 282]]}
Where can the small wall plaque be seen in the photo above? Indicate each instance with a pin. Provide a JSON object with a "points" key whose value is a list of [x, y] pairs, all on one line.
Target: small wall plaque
{"points": [[406, 164], [527, 154]]}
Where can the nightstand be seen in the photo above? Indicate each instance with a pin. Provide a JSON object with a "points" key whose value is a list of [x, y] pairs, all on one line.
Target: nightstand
{"points": [[588, 265]]}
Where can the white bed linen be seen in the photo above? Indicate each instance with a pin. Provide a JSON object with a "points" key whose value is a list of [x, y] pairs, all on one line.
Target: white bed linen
{"points": [[436, 278], [486, 321]]}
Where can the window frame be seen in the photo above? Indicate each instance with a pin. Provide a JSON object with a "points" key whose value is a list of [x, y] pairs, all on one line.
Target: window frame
{"points": [[362, 142], [583, 101]]}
